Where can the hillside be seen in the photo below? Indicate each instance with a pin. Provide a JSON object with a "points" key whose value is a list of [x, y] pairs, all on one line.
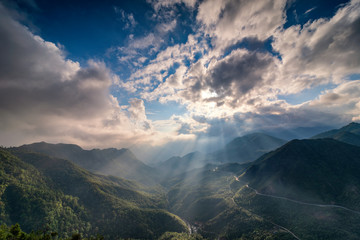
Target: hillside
{"points": [[349, 134], [111, 161], [321, 170], [40, 191]]}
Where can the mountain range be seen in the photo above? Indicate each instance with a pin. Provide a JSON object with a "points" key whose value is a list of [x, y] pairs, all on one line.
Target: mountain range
{"points": [[256, 187], [241, 149]]}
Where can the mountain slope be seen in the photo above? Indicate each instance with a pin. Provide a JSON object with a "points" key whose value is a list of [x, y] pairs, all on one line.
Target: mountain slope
{"points": [[348, 134], [111, 161], [38, 190], [247, 148], [321, 170]]}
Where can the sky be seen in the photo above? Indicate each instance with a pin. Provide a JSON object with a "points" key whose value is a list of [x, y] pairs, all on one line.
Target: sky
{"points": [[168, 77]]}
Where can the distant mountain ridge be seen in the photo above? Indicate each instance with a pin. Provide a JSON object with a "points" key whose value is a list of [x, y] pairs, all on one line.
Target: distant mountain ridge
{"points": [[247, 148], [348, 134], [178, 165], [111, 161], [241, 149]]}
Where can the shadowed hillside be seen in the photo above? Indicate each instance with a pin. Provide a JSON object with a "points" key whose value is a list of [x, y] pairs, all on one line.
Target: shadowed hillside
{"points": [[40, 191]]}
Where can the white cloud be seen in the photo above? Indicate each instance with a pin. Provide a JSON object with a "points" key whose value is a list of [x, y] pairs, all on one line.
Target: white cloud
{"points": [[231, 21], [321, 51], [342, 100], [167, 27], [137, 113], [158, 4], [310, 10], [127, 18]]}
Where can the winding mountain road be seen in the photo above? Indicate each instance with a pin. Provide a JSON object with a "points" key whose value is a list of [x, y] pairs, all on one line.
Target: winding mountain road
{"points": [[303, 203], [277, 225]]}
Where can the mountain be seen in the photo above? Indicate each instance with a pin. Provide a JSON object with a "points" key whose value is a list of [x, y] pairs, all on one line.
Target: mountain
{"points": [[317, 170], [242, 149], [39, 191], [247, 148], [348, 134], [178, 165], [111, 161]]}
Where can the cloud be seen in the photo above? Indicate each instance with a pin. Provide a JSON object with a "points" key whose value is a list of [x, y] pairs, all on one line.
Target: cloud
{"points": [[137, 113], [342, 100], [158, 74], [226, 75], [127, 18], [238, 77], [230, 21], [237, 74], [44, 96], [158, 4], [144, 42], [310, 10], [321, 51], [167, 27]]}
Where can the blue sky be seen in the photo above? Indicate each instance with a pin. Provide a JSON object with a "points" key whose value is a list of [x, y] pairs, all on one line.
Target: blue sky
{"points": [[193, 74]]}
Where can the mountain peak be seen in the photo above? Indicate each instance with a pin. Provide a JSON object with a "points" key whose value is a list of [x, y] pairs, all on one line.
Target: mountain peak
{"points": [[351, 127]]}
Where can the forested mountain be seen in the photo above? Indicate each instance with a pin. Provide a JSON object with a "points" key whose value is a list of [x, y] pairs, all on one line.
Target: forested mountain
{"points": [[304, 189], [39, 192], [321, 170]]}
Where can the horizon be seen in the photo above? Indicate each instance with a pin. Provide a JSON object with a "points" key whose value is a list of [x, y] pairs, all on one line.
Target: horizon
{"points": [[156, 160], [165, 78]]}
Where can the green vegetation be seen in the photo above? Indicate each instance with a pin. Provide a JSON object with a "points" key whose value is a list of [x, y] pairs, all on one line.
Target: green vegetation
{"points": [[15, 233], [180, 236], [41, 192], [317, 171], [320, 171]]}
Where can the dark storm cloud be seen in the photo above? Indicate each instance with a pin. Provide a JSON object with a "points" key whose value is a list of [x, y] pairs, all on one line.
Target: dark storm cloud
{"points": [[238, 74], [232, 77]]}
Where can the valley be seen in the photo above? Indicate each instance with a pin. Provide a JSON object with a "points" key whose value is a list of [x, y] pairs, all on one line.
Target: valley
{"points": [[301, 189]]}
